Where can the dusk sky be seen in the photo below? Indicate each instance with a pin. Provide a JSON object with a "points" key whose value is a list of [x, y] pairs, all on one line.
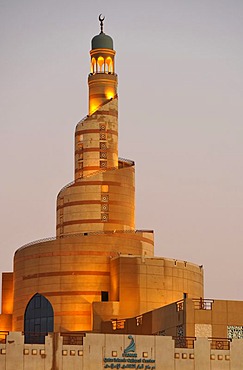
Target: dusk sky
{"points": [[180, 70]]}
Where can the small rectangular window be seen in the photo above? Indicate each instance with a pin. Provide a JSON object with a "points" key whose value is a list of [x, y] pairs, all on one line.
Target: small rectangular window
{"points": [[104, 217], [104, 296], [104, 188], [103, 146], [102, 127], [103, 164], [102, 136], [103, 155], [104, 198]]}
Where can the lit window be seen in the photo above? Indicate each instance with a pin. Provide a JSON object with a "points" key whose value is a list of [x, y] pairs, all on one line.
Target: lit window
{"points": [[139, 320], [101, 64], [109, 65], [104, 188], [118, 324]]}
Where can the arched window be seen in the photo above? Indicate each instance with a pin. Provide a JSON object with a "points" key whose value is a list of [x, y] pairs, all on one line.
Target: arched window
{"points": [[93, 65], [38, 319], [109, 65], [100, 64]]}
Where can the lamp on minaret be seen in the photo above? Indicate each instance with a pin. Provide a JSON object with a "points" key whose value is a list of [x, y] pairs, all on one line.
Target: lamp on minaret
{"points": [[102, 79]]}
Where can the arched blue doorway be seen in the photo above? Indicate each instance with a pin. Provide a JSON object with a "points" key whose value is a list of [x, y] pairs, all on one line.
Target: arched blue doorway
{"points": [[38, 319]]}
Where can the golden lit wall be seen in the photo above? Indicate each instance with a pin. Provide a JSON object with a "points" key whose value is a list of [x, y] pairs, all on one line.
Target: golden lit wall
{"points": [[97, 248], [7, 301], [71, 272], [7, 293], [96, 141], [103, 195], [104, 201], [143, 283]]}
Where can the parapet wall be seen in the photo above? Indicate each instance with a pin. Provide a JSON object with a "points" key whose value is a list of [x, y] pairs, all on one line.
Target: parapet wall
{"points": [[77, 351]]}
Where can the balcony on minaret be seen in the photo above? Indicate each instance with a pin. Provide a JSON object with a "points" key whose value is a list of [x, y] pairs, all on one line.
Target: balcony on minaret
{"points": [[103, 64]]}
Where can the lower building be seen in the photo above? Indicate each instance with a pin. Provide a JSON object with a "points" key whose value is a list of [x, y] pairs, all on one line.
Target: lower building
{"points": [[187, 318], [107, 351]]}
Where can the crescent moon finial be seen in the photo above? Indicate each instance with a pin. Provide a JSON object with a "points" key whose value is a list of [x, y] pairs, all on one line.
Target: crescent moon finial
{"points": [[101, 19]]}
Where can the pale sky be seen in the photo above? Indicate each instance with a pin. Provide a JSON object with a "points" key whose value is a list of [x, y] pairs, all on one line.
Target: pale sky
{"points": [[180, 68]]}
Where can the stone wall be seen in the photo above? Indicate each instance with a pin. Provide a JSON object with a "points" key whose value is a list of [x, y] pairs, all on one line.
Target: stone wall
{"points": [[108, 351]]}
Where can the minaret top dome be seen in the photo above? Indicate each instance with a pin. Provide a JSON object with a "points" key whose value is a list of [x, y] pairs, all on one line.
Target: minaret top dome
{"points": [[101, 41]]}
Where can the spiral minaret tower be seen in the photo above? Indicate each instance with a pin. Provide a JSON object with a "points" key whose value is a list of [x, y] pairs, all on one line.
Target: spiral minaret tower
{"points": [[98, 266]]}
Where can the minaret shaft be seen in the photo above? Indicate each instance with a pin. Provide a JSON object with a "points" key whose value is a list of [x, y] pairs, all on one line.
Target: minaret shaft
{"points": [[102, 197], [102, 79]]}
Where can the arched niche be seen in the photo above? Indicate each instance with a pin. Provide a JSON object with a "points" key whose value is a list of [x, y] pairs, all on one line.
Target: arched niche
{"points": [[93, 65], [38, 319], [109, 65], [101, 64]]}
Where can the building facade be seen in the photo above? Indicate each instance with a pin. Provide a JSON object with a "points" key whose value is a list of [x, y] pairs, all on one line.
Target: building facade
{"points": [[187, 318], [98, 266], [95, 296], [107, 351]]}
